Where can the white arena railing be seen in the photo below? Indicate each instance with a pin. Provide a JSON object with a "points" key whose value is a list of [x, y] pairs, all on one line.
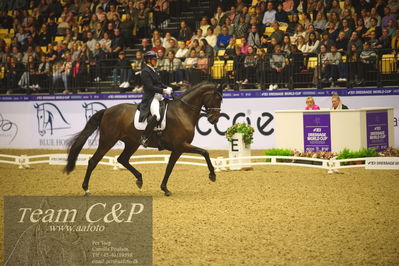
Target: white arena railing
{"points": [[220, 163]]}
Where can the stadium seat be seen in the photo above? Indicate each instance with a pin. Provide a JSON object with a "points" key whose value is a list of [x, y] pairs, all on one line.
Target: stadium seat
{"points": [[269, 31], [59, 39], [344, 59], [7, 41], [312, 62], [388, 64], [3, 33], [123, 18], [283, 28], [341, 4], [44, 49], [221, 52], [217, 69], [2, 73], [229, 65], [238, 41], [290, 18], [10, 13]]}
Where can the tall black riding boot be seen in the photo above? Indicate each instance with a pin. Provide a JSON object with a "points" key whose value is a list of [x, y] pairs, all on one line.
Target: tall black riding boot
{"points": [[151, 123]]}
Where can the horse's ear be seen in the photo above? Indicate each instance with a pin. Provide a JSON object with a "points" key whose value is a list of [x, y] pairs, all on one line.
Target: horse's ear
{"points": [[220, 87]]}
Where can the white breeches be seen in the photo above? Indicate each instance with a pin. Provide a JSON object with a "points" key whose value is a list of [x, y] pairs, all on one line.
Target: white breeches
{"points": [[154, 108]]}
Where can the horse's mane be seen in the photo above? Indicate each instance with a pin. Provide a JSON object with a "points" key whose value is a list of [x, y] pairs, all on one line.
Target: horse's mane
{"points": [[196, 88]]}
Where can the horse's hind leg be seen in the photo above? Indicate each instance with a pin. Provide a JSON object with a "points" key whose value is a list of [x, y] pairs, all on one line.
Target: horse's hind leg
{"points": [[123, 159], [103, 147]]}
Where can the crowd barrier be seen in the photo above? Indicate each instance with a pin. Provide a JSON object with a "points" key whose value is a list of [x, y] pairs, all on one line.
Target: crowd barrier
{"points": [[240, 72], [221, 164]]}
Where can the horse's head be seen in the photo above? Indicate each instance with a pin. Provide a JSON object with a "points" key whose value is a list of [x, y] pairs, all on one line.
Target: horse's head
{"points": [[211, 101], [41, 119]]}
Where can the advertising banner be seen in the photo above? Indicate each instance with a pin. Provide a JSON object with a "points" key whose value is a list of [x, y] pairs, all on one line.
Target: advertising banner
{"points": [[40, 230], [317, 132], [49, 121], [377, 130]]}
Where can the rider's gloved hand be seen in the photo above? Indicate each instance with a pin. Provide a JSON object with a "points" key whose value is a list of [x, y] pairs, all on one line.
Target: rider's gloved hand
{"points": [[168, 90]]}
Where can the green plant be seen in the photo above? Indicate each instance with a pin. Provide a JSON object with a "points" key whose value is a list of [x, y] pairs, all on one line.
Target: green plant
{"points": [[246, 130], [278, 152], [362, 153]]}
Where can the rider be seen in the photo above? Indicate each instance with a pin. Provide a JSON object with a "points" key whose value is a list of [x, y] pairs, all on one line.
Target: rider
{"points": [[153, 90]]}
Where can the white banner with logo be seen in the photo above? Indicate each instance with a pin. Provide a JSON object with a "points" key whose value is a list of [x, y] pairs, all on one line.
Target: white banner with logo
{"points": [[48, 122]]}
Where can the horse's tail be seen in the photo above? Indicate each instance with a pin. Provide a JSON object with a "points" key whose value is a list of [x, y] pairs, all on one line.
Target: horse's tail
{"points": [[77, 142]]}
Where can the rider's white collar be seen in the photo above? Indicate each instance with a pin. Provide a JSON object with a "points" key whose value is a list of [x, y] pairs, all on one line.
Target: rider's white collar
{"points": [[153, 69]]}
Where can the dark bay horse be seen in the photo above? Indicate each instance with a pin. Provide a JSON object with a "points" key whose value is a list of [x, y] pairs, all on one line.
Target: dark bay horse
{"points": [[116, 123]]}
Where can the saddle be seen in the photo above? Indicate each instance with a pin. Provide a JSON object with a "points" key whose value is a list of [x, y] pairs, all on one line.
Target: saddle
{"points": [[163, 107]]}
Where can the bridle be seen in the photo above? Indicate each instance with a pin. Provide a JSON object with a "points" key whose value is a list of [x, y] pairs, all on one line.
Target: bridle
{"points": [[201, 109]]}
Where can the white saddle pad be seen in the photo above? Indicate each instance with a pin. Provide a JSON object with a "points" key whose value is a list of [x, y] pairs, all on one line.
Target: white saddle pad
{"points": [[141, 125]]}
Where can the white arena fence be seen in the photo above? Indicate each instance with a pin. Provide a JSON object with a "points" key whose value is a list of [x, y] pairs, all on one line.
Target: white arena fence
{"points": [[220, 163]]}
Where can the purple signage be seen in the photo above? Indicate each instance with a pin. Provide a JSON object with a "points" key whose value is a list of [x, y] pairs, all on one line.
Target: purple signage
{"points": [[377, 130], [317, 132]]}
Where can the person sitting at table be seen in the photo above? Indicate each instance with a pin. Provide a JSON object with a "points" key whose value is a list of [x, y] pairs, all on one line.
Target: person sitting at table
{"points": [[336, 103], [310, 104]]}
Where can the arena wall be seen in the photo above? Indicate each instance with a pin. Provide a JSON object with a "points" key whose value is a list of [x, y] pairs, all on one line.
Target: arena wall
{"points": [[48, 121]]}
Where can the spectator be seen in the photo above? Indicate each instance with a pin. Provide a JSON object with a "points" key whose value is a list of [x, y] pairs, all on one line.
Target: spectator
{"points": [[110, 30], [300, 31], [342, 42], [190, 65], [172, 46], [91, 43], [296, 58], [182, 52], [395, 41], [158, 46], [347, 14], [332, 31], [161, 65], [174, 67], [105, 42], [270, 15], [117, 43], [241, 29], [215, 27], [354, 62], [43, 73], [126, 27], [230, 26], [161, 12], [62, 71], [142, 22], [384, 42], [203, 64], [360, 28], [230, 50], [250, 66], [281, 16], [97, 64], [78, 73], [293, 25], [277, 64], [28, 78], [336, 103], [211, 37], [374, 27], [388, 16], [166, 41], [137, 65], [310, 104], [98, 32], [301, 44], [185, 32], [335, 7], [332, 61], [244, 46], [277, 34], [286, 47], [391, 29], [122, 73], [220, 16], [233, 16], [204, 25], [44, 36], [16, 54], [223, 39], [354, 40], [145, 46], [197, 36], [245, 15], [346, 29], [311, 46], [203, 44], [320, 22], [111, 12]]}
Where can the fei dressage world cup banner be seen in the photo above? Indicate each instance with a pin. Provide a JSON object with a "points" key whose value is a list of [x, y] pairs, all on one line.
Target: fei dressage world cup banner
{"points": [[49, 121]]}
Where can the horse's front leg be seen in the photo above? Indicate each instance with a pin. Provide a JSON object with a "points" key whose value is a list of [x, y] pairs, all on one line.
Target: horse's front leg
{"points": [[174, 156], [193, 149]]}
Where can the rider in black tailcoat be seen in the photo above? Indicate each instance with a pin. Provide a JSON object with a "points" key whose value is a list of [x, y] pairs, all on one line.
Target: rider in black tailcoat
{"points": [[153, 90]]}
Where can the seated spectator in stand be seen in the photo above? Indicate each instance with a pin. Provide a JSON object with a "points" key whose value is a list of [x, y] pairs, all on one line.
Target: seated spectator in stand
{"points": [[297, 60], [207, 48], [28, 78], [17, 54], [373, 28], [269, 16], [253, 37], [391, 28], [166, 41], [384, 42], [336, 103], [197, 36], [160, 66], [293, 25], [368, 59], [91, 42], [250, 66], [122, 73], [360, 28], [341, 42], [230, 50], [271, 46], [62, 71], [230, 26], [300, 31], [13, 72], [354, 40], [320, 22], [301, 44], [182, 52], [277, 34], [325, 41], [388, 16], [195, 46], [78, 74], [117, 43], [204, 25], [172, 46], [241, 29], [185, 33], [310, 104], [43, 73], [190, 65], [395, 41], [277, 64], [244, 46], [158, 46], [137, 65], [346, 29], [175, 69], [97, 64], [203, 65], [286, 47], [215, 26], [211, 37], [281, 16], [373, 40], [311, 46], [353, 61], [332, 66], [145, 46], [332, 31]]}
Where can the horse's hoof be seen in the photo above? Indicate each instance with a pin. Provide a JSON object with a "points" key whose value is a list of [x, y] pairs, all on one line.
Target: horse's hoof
{"points": [[212, 177], [139, 183], [87, 193], [168, 193]]}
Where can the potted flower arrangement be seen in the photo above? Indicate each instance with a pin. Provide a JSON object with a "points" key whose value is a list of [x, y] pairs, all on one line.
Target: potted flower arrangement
{"points": [[240, 137], [247, 132]]}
